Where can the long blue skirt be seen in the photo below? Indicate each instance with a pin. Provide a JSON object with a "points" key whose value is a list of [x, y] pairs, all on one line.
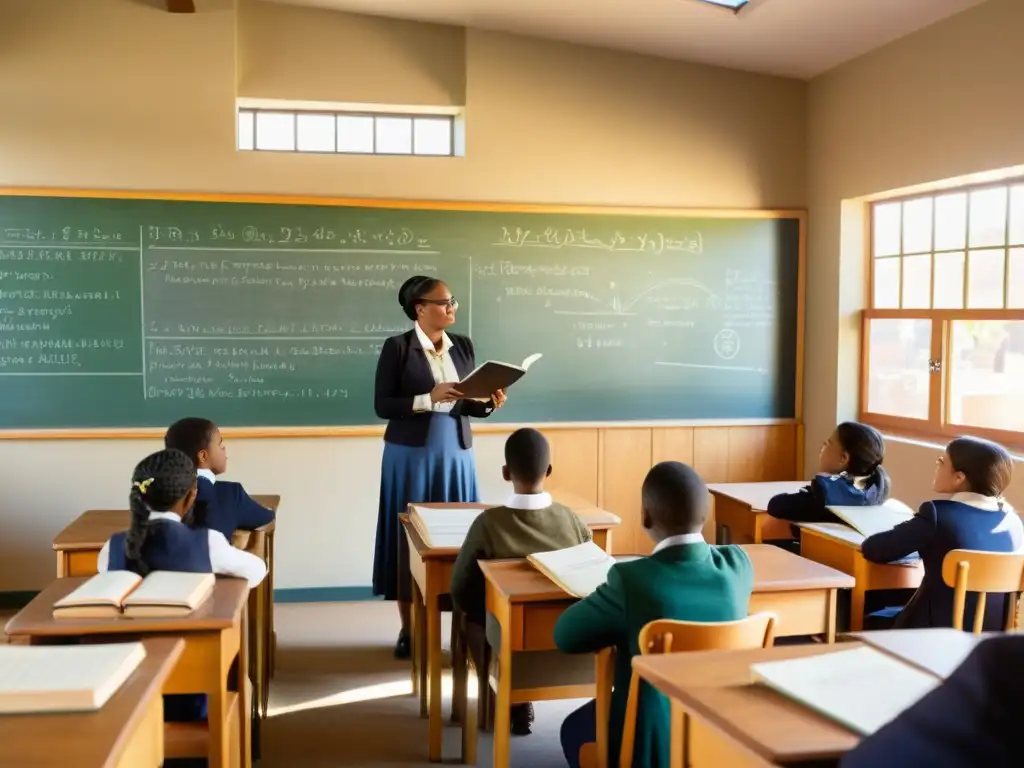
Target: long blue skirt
{"points": [[440, 471]]}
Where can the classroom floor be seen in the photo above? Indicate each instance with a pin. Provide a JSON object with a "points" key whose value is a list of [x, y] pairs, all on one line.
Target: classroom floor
{"points": [[339, 698]]}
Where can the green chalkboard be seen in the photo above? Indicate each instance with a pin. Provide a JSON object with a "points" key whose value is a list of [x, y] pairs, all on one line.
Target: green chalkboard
{"points": [[134, 312]]}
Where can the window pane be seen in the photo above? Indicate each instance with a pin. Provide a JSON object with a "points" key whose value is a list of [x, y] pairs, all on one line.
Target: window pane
{"points": [[898, 378], [394, 135], [988, 217], [986, 382], [432, 136], [245, 135], [950, 222], [315, 133], [949, 280], [1015, 300], [985, 279], [275, 130], [1017, 215], [887, 229], [887, 283], [917, 226], [355, 134], [917, 281]]}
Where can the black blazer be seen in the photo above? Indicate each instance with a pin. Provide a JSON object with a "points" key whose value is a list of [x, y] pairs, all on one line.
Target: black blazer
{"points": [[404, 372], [972, 720], [939, 527]]}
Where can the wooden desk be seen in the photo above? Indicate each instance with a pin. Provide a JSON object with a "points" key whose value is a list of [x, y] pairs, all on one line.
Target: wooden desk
{"points": [[733, 722], [938, 651], [526, 604], [127, 733], [214, 643], [740, 516], [431, 569], [78, 547], [838, 546]]}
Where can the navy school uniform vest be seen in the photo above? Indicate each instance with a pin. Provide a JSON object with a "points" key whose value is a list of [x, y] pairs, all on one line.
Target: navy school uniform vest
{"points": [[171, 546], [809, 504]]}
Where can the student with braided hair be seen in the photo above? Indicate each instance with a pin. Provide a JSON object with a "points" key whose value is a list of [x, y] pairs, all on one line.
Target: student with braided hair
{"points": [[162, 493]]}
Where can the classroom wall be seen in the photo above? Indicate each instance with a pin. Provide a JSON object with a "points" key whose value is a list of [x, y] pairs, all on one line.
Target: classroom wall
{"points": [[939, 104], [119, 94]]}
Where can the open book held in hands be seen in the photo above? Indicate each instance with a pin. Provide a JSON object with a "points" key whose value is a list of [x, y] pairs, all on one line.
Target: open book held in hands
{"points": [[578, 570], [162, 594], [871, 520], [488, 378], [66, 678]]}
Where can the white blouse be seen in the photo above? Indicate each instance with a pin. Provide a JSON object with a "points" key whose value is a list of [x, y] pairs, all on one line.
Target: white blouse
{"points": [[441, 367]]}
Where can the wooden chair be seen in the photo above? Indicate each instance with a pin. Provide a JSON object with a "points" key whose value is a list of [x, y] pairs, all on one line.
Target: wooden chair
{"points": [[668, 636], [969, 570]]}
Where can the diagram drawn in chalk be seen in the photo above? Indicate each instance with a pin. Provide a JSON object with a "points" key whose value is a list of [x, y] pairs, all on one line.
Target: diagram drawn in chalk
{"points": [[727, 343]]}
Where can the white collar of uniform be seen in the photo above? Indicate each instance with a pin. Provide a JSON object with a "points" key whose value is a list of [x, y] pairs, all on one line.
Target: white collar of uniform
{"points": [[528, 501], [980, 501], [154, 516], [208, 474], [428, 345], [682, 538]]}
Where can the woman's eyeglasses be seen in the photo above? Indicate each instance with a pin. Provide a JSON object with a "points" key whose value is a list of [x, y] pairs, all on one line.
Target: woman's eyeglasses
{"points": [[442, 302]]}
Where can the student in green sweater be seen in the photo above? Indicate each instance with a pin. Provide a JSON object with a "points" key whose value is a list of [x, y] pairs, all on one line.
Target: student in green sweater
{"points": [[684, 579], [530, 521]]}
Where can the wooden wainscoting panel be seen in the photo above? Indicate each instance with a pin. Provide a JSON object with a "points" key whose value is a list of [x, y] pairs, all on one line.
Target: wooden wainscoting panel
{"points": [[625, 458], [672, 444], [762, 454], [711, 453], [574, 462]]}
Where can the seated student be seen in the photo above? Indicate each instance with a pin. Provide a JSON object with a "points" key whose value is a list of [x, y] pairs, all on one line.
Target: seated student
{"points": [[684, 579], [851, 475], [163, 491], [972, 720], [975, 472], [222, 505], [529, 522]]}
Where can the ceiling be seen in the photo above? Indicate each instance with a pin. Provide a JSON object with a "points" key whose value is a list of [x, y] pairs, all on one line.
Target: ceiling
{"points": [[793, 38]]}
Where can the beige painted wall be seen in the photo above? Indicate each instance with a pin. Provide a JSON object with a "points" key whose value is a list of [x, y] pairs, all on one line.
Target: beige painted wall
{"points": [[938, 104], [121, 95]]}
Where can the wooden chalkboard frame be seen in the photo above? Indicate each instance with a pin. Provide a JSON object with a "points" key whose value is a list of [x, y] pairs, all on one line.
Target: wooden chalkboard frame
{"points": [[439, 205]]}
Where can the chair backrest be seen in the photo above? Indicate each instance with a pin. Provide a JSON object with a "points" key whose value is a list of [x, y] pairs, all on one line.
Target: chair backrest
{"points": [[969, 570], [669, 636]]}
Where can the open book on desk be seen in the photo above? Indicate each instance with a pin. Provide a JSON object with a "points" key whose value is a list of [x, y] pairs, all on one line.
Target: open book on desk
{"points": [[856, 538], [161, 594], [862, 689], [64, 678], [488, 378], [578, 570], [877, 519], [442, 526]]}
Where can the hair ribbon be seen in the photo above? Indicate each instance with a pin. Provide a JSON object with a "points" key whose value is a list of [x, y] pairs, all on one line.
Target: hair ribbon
{"points": [[143, 485]]}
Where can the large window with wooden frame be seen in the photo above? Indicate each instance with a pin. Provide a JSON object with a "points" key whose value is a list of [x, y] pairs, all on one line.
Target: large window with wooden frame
{"points": [[943, 337]]}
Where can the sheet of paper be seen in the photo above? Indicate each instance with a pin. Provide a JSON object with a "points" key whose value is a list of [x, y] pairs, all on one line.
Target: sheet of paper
{"points": [[862, 688]]}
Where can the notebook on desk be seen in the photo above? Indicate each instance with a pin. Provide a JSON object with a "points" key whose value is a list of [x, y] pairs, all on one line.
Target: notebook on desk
{"points": [[862, 689], [578, 570], [442, 526], [68, 678], [161, 594]]}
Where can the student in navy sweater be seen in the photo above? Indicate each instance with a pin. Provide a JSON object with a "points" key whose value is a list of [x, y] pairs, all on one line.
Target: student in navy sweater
{"points": [[850, 475], [975, 473], [163, 490], [221, 505]]}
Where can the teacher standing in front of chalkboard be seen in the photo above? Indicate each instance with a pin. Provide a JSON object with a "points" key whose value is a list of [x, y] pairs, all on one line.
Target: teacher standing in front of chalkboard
{"points": [[428, 443]]}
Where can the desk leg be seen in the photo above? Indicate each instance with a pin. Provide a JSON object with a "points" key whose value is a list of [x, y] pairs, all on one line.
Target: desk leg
{"points": [[246, 710], [503, 698], [270, 644], [676, 739], [62, 564], [435, 718], [858, 594], [830, 617], [419, 648]]}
